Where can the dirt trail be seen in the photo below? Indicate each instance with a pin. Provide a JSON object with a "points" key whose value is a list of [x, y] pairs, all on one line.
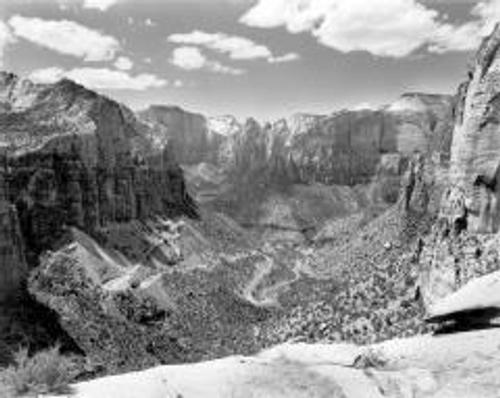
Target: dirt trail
{"points": [[268, 296]]}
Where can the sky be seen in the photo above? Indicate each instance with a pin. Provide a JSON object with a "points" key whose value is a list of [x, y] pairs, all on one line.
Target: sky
{"points": [[261, 58]]}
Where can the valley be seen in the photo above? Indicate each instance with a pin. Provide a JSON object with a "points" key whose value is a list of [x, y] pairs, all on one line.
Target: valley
{"points": [[167, 237]]}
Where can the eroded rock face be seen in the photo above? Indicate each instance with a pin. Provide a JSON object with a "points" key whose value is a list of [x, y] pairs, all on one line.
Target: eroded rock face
{"points": [[476, 142], [79, 159], [13, 267], [462, 244], [343, 148], [112, 309]]}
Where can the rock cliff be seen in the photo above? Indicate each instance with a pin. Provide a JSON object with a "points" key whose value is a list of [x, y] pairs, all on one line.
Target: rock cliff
{"points": [[13, 267], [79, 159], [462, 245]]}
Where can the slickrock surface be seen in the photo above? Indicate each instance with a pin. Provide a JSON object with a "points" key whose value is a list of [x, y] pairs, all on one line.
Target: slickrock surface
{"points": [[478, 300], [460, 365]]}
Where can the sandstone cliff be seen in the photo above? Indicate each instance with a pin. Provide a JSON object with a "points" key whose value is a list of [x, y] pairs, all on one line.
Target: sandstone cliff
{"points": [[79, 159], [463, 244]]}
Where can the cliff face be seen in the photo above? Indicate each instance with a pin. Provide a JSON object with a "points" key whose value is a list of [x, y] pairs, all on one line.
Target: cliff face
{"points": [[188, 134], [346, 147], [463, 244], [342, 148], [13, 268], [75, 158], [475, 157]]}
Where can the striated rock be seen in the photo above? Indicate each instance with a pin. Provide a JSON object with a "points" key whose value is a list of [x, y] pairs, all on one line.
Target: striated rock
{"points": [[77, 158], [475, 156], [190, 136], [424, 366], [13, 267], [462, 244]]}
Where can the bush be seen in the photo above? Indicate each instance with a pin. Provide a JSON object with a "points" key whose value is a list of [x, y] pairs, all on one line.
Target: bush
{"points": [[45, 372]]}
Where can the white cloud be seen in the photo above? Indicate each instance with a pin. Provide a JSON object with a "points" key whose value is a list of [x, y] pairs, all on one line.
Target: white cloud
{"points": [[101, 5], [149, 22], [99, 78], [191, 58], [394, 28], [284, 58], [236, 47], [178, 84], [123, 63], [6, 38], [66, 37]]}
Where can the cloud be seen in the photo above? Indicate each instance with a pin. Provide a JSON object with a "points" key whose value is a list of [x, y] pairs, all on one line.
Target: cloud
{"points": [[6, 38], [191, 58], [123, 63], [149, 22], [101, 5], [236, 47], [284, 58], [99, 78], [394, 28], [66, 37]]}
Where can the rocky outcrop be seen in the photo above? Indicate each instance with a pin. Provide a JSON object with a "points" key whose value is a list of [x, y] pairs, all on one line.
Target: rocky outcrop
{"points": [[79, 159], [116, 312], [475, 156], [477, 303], [462, 365], [463, 243], [192, 137]]}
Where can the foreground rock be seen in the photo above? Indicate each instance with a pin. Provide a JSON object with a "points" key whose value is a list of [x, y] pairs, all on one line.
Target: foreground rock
{"points": [[476, 302], [426, 366]]}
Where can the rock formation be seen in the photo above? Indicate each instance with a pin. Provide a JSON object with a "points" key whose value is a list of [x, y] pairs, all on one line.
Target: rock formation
{"points": [[463, 245], [78, 159], [13, 267], [463, 365], [74, 164]]}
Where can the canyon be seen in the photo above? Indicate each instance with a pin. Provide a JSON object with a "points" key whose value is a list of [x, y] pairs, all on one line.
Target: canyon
{"points": [[167, 237]]}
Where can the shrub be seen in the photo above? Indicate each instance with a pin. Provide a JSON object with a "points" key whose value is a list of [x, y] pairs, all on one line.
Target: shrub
{"points": [[45, 372]]}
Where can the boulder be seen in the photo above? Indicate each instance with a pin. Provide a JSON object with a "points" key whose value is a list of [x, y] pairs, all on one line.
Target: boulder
{"points": [[478, 301]]}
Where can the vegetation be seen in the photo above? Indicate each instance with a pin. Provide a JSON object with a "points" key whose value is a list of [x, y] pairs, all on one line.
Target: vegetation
{"points": [[45, 372]]}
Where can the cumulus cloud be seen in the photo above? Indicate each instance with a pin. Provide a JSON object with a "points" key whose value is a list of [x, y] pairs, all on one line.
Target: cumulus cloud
{"points": [[191, 58], [66, 37], [394, 28], [6, 38], [101, 5], [236, 47], [99, 78], [123, 63]]}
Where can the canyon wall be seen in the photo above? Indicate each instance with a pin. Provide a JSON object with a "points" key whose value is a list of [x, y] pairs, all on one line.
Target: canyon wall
{"points": [[75, 158], [344, 148], [464, 242]]}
